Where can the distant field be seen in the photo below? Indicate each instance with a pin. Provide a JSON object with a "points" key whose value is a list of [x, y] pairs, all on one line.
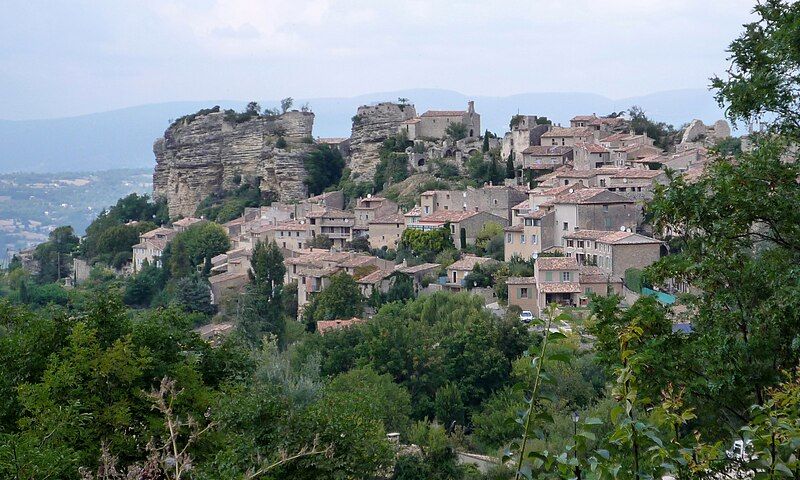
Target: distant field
{"points": [[32, 204]]}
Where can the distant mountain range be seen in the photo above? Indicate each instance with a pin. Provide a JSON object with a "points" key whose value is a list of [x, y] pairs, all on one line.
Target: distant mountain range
{"points": [[124, 138]]}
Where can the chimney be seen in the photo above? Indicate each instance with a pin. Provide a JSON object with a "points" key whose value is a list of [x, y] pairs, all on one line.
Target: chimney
{"points": [[470, 107]]}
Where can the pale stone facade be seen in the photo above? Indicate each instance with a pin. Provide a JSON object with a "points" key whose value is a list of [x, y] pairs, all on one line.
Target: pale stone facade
{"points": [[386, 231], [433, 123]]}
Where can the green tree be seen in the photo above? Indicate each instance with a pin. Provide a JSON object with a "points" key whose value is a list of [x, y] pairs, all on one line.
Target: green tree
{"points": [[286, 104], [320, 241], [193, 294], [194, 245], [373, 393], [456, 131], [55, 255], [510, 168], [427, 244], [485, 146], [263, 311], [340, 299], [448, 406], [761, 83], [324, 168]]}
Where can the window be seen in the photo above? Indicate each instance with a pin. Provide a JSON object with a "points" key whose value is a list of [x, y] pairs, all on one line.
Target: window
{"points": [[607, 222], [533, 238], [588, 290], [580, 243], [528, 222], [566, 226], [522, 238], [602, 182], [452, 228], [523, 292], [548, 276], [508, 238], [605, 208], [427, 210], [570, 243], [565, 276]]}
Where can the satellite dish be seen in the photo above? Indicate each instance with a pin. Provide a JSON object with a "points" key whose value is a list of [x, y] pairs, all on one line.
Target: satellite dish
{"points": [[571, 190], [369, 195], [622, 228], [535, 255]]}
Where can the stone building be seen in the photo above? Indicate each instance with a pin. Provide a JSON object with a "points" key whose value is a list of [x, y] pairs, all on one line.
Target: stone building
{"points": [[495, 199], [386, 231], [593, 209], [372, 124], [433, 123], [526, 131], [334, 224], [612, 252], [459, 269], [370, 208], [590, 155], [464, 225], [545, 158], [151, 247], [567, 136], [534, 234]]}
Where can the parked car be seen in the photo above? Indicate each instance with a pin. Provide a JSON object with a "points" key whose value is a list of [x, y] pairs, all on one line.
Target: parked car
{"points": [[526, 316]]}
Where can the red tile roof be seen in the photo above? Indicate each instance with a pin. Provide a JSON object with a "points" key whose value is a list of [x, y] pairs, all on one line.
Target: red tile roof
{"points": [[562, 287], [444, 113], [443, 216], [557, 263], [544, 150], [324, 326]]}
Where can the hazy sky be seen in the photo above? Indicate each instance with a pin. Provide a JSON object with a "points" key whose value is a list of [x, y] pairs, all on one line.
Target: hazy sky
{"points": [[63, 58]]}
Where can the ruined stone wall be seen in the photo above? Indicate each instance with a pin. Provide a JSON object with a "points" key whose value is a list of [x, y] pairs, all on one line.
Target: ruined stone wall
{"points": [[373, 124], [204, 156]]}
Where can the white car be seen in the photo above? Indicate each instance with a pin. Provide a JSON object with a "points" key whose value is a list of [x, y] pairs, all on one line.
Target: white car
{"points": [[526, 316]]}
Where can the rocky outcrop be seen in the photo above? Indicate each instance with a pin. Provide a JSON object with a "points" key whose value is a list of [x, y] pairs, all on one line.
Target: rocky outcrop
{"points": [[697, 131], [209, 153], [373, 124]]}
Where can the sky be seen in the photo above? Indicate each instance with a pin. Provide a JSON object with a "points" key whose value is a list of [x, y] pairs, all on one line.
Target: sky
{"points": [[63, 58]]}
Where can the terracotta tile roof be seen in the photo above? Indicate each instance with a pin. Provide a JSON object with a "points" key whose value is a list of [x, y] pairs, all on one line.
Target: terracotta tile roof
{"points": [[414, 212], [589, 274], [592, 147], [592, 195], [552, 192], [524, 205], [292, 225], [562, 287], [185, 222], [444, 113], [357, 261], [443, 216], [468, 262], [536, 214], [229, 276], [375, 277], [586, 234], [322, 196], [324, 326], [389, 219], [568, 132], [583, 118], [419, 268], [514, 228], [544, 150], [578, 174], [520, 280], [616, 137], [637, 173], [158, 231], [329, 213], [627, 238], [557, 263]]}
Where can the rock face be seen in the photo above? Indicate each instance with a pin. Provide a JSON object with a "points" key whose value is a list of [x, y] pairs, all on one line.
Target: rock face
{"points": [[206, 155], [697, 131], [371, 126]]}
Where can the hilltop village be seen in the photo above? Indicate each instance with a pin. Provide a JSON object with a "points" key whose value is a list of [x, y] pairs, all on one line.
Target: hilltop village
{"points": [[566, 201]]}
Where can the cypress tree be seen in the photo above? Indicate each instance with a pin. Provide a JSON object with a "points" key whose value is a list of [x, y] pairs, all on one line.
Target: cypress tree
{"points": [[510, 170], [485, 147]]}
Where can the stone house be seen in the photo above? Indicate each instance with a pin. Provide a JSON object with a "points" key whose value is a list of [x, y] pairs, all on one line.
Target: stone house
{"points": [[184, 223], [590, 155], [525, 132], [458, 270], [636, 183], [291, 235], [546, 158], [379, 280], [335, 224], [542, 197], [557, 281], [462, 224], [386, 231], [226, 284], [495, 199], [567, 136], [533, 234], [151, 247], [433, 123], [370, 208], [593, 209], [603, 125], [612, 252], [418, 272]]}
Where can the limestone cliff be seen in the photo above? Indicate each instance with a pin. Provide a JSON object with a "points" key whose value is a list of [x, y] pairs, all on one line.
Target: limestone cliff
{"points": [[202, 154], [373, 124]]}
